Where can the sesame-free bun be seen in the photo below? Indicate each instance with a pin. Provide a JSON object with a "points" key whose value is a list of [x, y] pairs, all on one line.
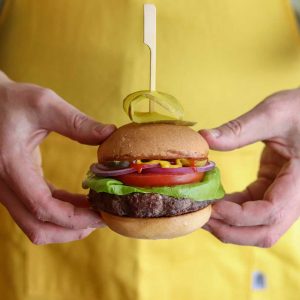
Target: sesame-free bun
{"points": [[157, 228], [152, 141]]}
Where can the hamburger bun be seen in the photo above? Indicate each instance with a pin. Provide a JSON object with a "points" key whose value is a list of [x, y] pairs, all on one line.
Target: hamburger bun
{"points": [[152, 141], [157, 228]]}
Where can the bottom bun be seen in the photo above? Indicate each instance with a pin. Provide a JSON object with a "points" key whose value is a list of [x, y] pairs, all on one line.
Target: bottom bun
{"points": [[157, 228]]}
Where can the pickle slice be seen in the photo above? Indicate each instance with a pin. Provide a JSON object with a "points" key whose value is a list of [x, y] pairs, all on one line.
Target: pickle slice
{"points": [[169, 103]]}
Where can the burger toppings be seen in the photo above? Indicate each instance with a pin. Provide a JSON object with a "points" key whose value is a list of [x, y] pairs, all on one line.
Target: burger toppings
{"points": [[117, 164], [173, 110], [177, 163], [144, 169], [208, 188], [183, 170], [160, 179], [104, 170]]}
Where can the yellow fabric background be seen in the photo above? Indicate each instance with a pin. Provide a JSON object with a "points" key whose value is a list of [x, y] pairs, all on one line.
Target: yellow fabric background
{"points": [[219, 58]]}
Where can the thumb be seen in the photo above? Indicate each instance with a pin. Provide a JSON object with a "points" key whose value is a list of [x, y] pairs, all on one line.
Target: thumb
{"points": [[67, 120], [255, 125]]}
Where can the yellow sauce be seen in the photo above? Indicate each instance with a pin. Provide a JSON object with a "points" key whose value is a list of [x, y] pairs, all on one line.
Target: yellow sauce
{"points": [[180, 162]]}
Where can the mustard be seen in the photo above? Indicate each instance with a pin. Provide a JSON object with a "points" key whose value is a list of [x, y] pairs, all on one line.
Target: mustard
{"points": [[180, 162]]}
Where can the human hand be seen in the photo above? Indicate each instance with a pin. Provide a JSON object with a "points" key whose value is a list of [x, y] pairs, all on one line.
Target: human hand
{"points": [[269, 206], [28, 113]]}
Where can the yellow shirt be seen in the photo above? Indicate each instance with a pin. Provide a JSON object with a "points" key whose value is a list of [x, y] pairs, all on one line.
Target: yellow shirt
{"points": [[219, 58]]}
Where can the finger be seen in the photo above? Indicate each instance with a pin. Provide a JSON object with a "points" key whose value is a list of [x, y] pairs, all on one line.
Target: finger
{"points": [[250, 213], [237, 197], [38, 232], [260, 236], [31, 188], [76, 199], [65, 119], [258, 124], [256, 190]]}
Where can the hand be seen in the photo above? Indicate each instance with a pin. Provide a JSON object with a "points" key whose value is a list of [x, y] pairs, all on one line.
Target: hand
{"points": [[28, 113], [268, 207]]}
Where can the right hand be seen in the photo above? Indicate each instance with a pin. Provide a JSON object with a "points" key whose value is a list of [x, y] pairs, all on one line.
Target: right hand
{"points": [[28, 113], [269, 206]]}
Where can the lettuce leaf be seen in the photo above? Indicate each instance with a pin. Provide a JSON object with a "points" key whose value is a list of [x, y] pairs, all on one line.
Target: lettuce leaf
{"points": [[209, 188]]}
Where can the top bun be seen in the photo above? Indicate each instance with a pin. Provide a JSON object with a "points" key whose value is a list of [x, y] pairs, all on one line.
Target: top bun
{"points": [[152, 141]]}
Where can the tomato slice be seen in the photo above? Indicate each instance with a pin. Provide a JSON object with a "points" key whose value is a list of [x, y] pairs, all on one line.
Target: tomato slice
{"points": [[151, 179]]}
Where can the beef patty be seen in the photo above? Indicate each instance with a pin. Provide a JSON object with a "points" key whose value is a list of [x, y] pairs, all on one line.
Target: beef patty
{"points": [[144, 205]]}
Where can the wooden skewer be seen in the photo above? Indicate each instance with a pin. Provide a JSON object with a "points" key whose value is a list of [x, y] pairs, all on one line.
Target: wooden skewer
{"points": [[150, 41]]}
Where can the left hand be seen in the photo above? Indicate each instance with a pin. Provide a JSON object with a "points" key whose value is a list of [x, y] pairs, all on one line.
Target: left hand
{"points": [[28, 113], [269, 206]]}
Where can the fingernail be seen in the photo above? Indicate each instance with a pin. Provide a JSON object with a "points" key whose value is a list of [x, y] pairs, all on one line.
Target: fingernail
{"points": [[105, 130], [216, 133]]}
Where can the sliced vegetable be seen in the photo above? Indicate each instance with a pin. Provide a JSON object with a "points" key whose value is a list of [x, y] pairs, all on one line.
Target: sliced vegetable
{"points": [[101, 170], [140, 167], [177, 163], [183, 170], [152, 179], [209, 188], [105, 171], [169, 103]]}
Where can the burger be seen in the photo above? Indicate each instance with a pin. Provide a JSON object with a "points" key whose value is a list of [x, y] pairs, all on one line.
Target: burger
{"points": [[154, 181]]}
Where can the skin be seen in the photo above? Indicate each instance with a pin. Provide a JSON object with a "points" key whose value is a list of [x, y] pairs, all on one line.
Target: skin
{"points": [[28, 113], [269, 206]]}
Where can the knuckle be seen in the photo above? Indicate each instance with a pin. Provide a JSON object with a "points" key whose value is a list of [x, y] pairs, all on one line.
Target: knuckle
{"points": [[39, 213], [271, 104], [40, 210], [44, 94], [235, 127], [78, 120], [274, 106], [268, 240], [42, 98], [37, 236], [276, 217]]}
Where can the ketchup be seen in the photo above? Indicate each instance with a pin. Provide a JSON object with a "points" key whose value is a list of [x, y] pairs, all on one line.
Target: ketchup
{"points": [[137, 167]]}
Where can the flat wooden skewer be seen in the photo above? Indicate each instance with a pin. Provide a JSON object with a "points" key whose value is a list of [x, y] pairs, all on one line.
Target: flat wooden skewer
{"points": [[150, 41]]}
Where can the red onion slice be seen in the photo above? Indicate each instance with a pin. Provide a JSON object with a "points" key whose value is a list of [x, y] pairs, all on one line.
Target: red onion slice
{"points": [[183, 170], [101, 170], [140, 167]]}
